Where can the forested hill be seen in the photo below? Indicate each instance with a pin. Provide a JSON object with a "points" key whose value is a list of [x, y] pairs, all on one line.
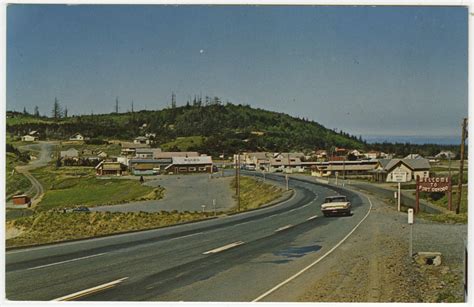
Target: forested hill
{"points": [[212, 129]]}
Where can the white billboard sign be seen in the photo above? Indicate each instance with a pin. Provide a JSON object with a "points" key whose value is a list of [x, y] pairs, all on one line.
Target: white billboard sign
{"points": [[399, 176]]}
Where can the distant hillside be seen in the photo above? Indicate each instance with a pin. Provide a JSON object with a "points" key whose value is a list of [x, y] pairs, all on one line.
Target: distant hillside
{"points": [[213, 129]]}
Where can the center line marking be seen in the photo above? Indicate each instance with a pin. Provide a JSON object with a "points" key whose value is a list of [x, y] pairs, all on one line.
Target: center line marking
{"points": [[89, 291], [284, 228], [311, 218], [223, 248], [66, 261]]}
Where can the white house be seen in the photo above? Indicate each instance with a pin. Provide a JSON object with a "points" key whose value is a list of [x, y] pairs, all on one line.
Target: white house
{"points": [[141, 140], [412, 168], [29, 138], [446, 155], [77, 137], [413, 156]]}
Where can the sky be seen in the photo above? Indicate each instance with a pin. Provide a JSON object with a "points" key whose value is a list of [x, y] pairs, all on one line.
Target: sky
{"points": [[366, 70]]}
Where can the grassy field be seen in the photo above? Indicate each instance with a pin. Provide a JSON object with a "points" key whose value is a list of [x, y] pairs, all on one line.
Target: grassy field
{"points": [[48, 227], [78, 186], [110, 149], [183, 143], [16, 183], [254, 193]]}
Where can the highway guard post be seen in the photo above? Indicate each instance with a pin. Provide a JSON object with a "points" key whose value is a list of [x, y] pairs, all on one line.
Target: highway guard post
{"points": [[433, 184], [410, 222]]}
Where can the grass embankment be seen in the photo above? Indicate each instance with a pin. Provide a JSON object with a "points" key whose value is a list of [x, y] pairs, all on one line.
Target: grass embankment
{"points": [[49, 227], [78, 186], [184, 143], [255, 193], [450, 217], [16, 183]]}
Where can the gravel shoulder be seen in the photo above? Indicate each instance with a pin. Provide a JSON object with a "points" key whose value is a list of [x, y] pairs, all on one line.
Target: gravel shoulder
{"points": [[373, 264]]}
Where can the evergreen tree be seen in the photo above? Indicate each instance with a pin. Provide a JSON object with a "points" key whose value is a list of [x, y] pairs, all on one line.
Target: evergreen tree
{"points": [[36, 112], [56, 109]]}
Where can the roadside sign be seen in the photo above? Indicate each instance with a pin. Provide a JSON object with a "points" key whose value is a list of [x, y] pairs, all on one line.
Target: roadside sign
{"points": [[399, 176]]}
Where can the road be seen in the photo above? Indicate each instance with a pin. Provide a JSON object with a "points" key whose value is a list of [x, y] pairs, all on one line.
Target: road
{"points": [[45, 149], [237, 258]]}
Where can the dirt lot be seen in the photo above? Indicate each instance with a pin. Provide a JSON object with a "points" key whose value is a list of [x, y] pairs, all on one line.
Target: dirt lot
{"points": [[373, 264]]}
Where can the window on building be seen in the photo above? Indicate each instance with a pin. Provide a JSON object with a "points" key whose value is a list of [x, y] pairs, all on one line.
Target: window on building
{"points": [[182, 169], [202, 168], [192, 169]]}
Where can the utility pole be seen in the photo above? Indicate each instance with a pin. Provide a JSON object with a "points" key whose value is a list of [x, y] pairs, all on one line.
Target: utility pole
{"points": [[344, 171], [116, 105], [237, 180], [461, 165]]}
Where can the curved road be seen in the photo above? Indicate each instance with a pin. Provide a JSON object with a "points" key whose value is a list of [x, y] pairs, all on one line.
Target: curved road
{"points": [[233, 258]]}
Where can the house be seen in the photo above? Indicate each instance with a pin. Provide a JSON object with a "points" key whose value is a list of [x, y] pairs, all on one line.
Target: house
{"points": [[385, 169], [102, 154], [185, 165], [77, 137], [321, 154], [413, 156], [372, 154], [110, 169], [141, 140], [29, 138], [286, 165], [21, 200], [445, 155], [70, 153]]}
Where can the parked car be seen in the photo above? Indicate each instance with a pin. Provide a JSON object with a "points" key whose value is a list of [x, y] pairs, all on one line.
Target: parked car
{"points": [[81, 209], [336, 205]]}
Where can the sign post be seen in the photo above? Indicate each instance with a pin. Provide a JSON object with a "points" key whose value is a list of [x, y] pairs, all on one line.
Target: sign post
{"points": [[410, 222], [432, 184], [287, 179], [399, 177]]}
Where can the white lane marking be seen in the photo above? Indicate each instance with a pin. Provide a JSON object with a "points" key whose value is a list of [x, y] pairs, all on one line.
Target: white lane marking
{"points": [[284, 228], [66, 261], [223, 248], [315, 262], [89, 291], [311, 218], [187, 236]]}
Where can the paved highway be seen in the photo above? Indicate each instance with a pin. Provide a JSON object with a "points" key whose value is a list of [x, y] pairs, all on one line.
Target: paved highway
{"points": [[234, 258]]}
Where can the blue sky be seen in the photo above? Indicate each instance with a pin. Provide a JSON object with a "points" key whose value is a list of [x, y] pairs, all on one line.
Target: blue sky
{"points": [[366, 70]]}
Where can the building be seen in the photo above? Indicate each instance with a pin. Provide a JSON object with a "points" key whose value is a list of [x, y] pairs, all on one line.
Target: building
{"points": [[445, 155], [141, 140], [291, 165], [186, 165], [110, 169], [413, 156], [102, 155], [412, 168], [140, 167], [70, 153], [21, 200], [77, 137], [146, 153], [360, 168], [29, 138]]}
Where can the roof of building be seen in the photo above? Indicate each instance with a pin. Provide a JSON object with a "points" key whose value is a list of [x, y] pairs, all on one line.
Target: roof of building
{"points": [[110, 166], [413, 156], [141, 138], [147, 150], [192, 160], [131, 161], [413, 164], [284, 161], [172, 154], [351, 167]]}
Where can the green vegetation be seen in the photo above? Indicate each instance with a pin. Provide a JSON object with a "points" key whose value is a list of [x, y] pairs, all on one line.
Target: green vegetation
{"points": [[255, 193], [16, 183], [213, 128], [189, 143], [109, 149], [50, 226], [78, 186]]}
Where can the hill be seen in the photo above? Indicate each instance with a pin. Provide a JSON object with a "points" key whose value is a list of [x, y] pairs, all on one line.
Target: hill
{"points": [[213, 129]]}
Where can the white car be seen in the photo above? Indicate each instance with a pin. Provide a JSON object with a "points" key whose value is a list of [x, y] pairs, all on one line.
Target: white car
{"points": [[336, 205]]}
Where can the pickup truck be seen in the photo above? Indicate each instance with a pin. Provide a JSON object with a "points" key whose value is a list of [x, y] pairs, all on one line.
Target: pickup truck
{"points": [[336, 205]]}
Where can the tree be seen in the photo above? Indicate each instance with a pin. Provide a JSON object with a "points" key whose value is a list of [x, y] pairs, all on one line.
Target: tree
{"points": [[36, 112], [65, 111], [116, 105], [24, 111], [56, 109], [173, 100]]}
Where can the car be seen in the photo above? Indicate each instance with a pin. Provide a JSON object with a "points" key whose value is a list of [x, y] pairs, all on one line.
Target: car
{"points": [[336, 205], [81, 209]]}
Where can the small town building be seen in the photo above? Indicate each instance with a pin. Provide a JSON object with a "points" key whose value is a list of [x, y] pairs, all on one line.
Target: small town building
{"points": [[141, 140], [146, 153], [110, 169], [186, 165], [102, 155], [21, 200], [412, 168], [140, 167], [413, 156], [70, 153], [77, 137], [360, 168], [445, 155], [29, 138], [290, 165]]}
